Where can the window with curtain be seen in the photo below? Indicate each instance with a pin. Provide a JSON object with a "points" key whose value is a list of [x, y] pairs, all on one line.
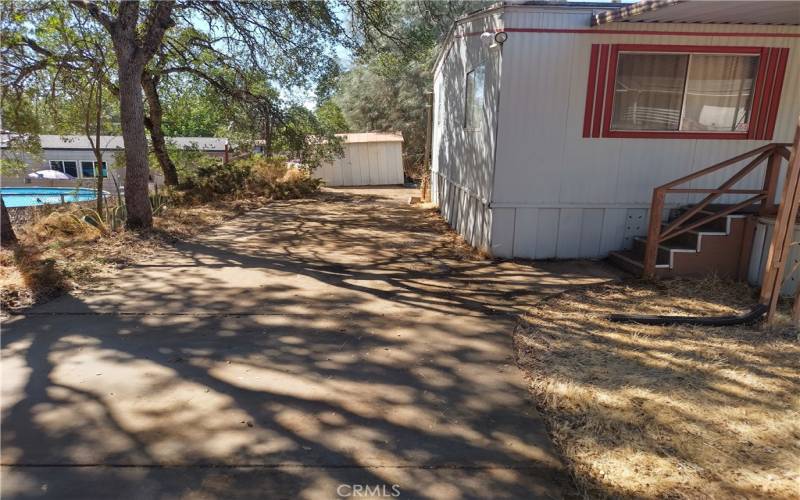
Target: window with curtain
{"points": [[683, 92], [474, 92]]}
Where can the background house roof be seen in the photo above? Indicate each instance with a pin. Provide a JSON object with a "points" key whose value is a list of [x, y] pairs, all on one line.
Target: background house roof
{"points": [[115, 142], [371, 137], [775, 12]]}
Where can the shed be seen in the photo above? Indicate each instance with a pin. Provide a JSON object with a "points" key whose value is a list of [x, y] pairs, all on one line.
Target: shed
{"points": [[555, 121], [369, 159]]}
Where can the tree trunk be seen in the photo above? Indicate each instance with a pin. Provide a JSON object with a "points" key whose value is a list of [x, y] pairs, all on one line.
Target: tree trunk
{"points": [[153, 123], [98, 154], [134, 45], [7, 236], [137, 170], [267, 134]]}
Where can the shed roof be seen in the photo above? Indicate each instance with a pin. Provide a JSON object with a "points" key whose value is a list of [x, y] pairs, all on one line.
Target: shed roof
{"points": [[371, 137], [769, 12], [115, 142]]}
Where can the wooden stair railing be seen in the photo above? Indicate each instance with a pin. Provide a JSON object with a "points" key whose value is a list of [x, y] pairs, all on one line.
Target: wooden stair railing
{"points": [[771, 153]]}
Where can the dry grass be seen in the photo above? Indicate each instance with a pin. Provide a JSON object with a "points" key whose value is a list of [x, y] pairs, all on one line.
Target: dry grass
{"points": [[666, 412], [57, 252]]}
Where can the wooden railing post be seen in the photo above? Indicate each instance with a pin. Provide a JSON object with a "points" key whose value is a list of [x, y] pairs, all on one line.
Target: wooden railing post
{"points": [[771, 177], [783, 235], [653, 234]]}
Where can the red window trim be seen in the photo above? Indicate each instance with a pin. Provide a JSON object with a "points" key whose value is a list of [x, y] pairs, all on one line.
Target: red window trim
{"points": [[602, 75]]}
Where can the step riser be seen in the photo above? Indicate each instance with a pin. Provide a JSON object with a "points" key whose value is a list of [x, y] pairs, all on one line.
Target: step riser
{"points": [[716, 226], [639, 247], [635, 268], [686, 240]]}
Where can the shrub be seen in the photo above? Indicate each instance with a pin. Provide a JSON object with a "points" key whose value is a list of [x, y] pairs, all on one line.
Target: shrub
{"points": [[211, 178], [63, 225], [265, 171], [296, 184], [254, 176]]}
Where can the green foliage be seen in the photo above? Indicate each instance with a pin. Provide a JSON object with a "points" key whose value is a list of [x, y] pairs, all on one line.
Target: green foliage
{"points": [[330, 117], [211, 178], [17, 151], [302, 136], [385, 88], [192, 109], [256, 176]]}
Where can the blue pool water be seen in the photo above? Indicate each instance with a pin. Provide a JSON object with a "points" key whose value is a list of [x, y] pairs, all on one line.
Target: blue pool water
{"points": [[33, 196]]}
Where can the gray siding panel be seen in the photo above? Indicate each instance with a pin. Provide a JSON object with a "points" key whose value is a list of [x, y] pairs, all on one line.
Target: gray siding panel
{"points": [[591, 232], [547, 233], [525, 225], [613, 237], [502, 232], [569, 233]]}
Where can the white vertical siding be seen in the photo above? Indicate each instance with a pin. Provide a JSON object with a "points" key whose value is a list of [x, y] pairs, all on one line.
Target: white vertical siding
{"points": [[574, 196], [462, 163], [365, 164]]}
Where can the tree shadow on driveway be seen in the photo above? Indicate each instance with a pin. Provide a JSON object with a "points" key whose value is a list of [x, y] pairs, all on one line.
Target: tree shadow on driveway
{"points": [[300, 347]]}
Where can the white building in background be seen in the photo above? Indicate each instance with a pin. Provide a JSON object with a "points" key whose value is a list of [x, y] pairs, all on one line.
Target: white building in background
{"points": [[370, 159], [73, 155], [553, 122]]}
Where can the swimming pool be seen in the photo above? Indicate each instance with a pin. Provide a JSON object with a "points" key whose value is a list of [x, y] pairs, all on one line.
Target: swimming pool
{"points": [[34, 196]]}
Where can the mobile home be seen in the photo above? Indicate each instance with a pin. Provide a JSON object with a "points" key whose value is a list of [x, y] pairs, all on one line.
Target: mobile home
{"points": [[554, 122]]}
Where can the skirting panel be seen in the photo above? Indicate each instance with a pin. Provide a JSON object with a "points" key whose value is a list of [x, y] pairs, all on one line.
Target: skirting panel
{"points": [[467, 214], [564, 233]]}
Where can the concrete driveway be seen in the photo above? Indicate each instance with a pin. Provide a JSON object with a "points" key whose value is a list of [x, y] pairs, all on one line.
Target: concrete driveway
{"points": [[311, 349]]}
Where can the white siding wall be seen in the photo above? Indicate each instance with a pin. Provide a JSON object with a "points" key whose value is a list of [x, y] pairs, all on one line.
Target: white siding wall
{"points": [[463, 160], [365, 164], [559, 195]]}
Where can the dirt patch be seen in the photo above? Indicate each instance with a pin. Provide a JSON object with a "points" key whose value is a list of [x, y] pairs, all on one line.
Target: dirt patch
{"points": [[666, 412], [57, 252]]}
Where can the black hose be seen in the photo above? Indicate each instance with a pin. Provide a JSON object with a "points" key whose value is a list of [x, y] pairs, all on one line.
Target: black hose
{"points": [[744, 319]]}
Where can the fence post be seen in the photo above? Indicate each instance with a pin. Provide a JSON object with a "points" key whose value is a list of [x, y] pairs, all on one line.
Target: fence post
{"points": [[653, 234], [61, 195], [782, 234], [771, 177]]}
